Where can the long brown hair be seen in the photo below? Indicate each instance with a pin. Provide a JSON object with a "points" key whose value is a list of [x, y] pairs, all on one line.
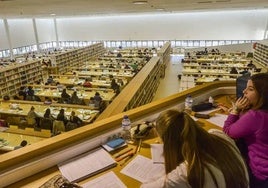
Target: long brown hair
{"points": [[260, 83], [184, 140]]}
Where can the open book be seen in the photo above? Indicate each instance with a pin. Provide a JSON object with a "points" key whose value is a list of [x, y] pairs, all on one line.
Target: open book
{"points": [[86, 165]]}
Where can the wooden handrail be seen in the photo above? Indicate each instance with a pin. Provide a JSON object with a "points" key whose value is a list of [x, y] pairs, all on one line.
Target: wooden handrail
{"points": [[53, 148]]}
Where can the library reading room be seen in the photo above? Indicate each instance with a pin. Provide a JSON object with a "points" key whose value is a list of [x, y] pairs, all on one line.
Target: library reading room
{"points": [[117, 94]]}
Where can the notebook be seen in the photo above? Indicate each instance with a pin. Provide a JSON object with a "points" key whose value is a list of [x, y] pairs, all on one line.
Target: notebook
{"points": [[86, 165]]}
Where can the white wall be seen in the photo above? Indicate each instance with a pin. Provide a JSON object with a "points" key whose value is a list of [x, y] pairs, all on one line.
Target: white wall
{"points": [[21, 32], [3, 36], [228, 25], [45, 30], [226, 48], [233, 25]]}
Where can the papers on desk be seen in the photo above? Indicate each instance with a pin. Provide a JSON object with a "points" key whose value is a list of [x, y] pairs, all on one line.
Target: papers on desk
{"points": [[2, 129], [87, 165], [218, 119], [86, 117], [143, 169], [157, 153], [108, 180]]}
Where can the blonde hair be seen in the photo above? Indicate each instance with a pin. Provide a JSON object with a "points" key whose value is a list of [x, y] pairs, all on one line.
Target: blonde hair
{"points": [[184, 140]]}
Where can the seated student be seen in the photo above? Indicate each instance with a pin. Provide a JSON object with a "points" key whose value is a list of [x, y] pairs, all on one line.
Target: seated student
{"points": [[48, 114], [61, 117], [75, 99], [87, 83], [247, 122], [50, 80], [22, 93], [76, 76], [119, 55], [6, 98], [34, 116], [115, 87], [30, 94], [74, 122], [60, 87], [120, 82], [233, 71], [65, 96], [22, 144], [197, 158], [97, 100], [91, 102], [134, 66], [49, 63], [113, 84], [127, 66], [251, 65]]}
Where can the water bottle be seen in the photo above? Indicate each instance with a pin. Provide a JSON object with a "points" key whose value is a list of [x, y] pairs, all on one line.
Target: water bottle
{"points": [[188, 103], [126, 126], [211, 100]]}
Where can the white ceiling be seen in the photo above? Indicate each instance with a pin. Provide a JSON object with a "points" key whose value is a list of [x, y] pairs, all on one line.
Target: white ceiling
{"points": [[65, 8]]}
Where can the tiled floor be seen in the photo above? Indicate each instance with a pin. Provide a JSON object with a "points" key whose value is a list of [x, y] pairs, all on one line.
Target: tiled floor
{"points": [[170, 84]]}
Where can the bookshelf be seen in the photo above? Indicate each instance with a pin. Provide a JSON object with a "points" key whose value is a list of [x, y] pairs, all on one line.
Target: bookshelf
{"points": [[164, 54], [139, 91], [261, 53], [15, 75], [208, 68], [61, 60]]}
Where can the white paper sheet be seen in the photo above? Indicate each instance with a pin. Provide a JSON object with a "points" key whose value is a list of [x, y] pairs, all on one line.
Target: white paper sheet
{"points": [[108, 180], [86, 165], [157, 153], [218, 119], [143, 169]]}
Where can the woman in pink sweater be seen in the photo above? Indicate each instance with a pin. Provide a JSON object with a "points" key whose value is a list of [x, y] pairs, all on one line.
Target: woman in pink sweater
{"points": [[248, 121]]}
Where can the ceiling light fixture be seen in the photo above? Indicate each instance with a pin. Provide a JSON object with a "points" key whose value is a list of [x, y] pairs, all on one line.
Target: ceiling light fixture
{"points": [[139, 2], [204, 2]]}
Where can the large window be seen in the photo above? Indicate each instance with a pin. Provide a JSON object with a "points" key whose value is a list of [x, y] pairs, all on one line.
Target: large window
{"points": [[124, 43]]}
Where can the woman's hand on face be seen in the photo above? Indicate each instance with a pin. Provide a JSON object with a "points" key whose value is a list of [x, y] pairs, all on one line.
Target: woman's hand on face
{"points": [[242, 103]]}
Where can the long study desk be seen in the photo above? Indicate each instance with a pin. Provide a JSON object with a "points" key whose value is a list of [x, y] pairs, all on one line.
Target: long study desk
{"points": [[15, 140], [127, 74], [82, 93], [71, 80], [145, 113], [21, 108]]}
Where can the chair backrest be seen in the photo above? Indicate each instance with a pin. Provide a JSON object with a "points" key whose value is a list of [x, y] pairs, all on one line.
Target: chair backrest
{"points": [[31, 122], [58, 127], [46, 123], [71, 126]]}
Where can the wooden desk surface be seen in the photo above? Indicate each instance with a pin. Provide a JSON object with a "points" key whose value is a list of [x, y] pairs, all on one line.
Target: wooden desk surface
{"points": [[72, 81], [40, 178], [84, 112], [15, 139], [82, 94], [122, 73]]}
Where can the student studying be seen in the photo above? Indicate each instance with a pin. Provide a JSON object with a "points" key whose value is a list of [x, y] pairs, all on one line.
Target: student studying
{"points": [[247, 121], [196, 158]]}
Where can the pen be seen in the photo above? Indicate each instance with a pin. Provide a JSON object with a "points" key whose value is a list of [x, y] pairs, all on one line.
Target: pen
{"points": [[126, 160], [124, 152], [124, 156], [139, 147]]}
